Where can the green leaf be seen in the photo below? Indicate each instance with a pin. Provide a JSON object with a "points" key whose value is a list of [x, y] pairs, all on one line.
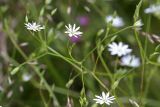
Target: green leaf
{"points": [[26, 18], [113, 38], [136, 14], [42, 11], [94, 105], [157, 47], [15, 70], [100, 32], [115, 84], [153, 54], [53, 11], [3, 8], [59, 25], [70, 82]]}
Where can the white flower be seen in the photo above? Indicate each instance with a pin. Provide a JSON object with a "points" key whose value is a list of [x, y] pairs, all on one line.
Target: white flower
{"points": [[119, 49], [9, 94], [34, 26], [104, 98], [26, 77], [73, 31], [1, 89], [138, 24], [69, 9], [152, 9], [116, 21], [130, 60]]}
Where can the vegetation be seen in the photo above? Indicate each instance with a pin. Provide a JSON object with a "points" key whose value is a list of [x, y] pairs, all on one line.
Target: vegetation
{"points": [[79, 53]]}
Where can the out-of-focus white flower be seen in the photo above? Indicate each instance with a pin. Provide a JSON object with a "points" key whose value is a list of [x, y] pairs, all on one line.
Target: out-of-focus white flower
{"points": [[87, 8], [34, 26], [69, 9], [119, 49], [1, 88], [23, 44], [10, 80], [104, 98], [138, 24], [26, 77], [152, 9], [130, 60], [9, 94], [21, 89], [116, 21], [73, 31]]}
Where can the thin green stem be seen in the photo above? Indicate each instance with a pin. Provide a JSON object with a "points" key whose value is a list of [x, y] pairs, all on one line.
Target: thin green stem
{"points": [[10, 35], [55, 53], [42, 96], [151, 73], [143, 64], [99, 81]]}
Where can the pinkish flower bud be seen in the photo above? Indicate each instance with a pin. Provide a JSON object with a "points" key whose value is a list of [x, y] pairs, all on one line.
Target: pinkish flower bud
{"points": [[75, 39], [83, 20]]}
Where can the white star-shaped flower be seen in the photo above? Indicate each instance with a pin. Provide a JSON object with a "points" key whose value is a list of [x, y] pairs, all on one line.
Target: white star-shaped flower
{"points": [[119, 49], [34, 26], [73, 31], [104, 98], [130, 60], [116, 21]]}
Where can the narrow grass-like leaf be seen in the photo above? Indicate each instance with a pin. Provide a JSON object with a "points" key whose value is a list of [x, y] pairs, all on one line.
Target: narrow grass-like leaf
{"points": [[26, 18], [70, 82], [155, 53], [115, 84], [53, 11], [59, 25], [100, 32], [157, 47], [136, 14], [42, 11], [15, 70]]}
